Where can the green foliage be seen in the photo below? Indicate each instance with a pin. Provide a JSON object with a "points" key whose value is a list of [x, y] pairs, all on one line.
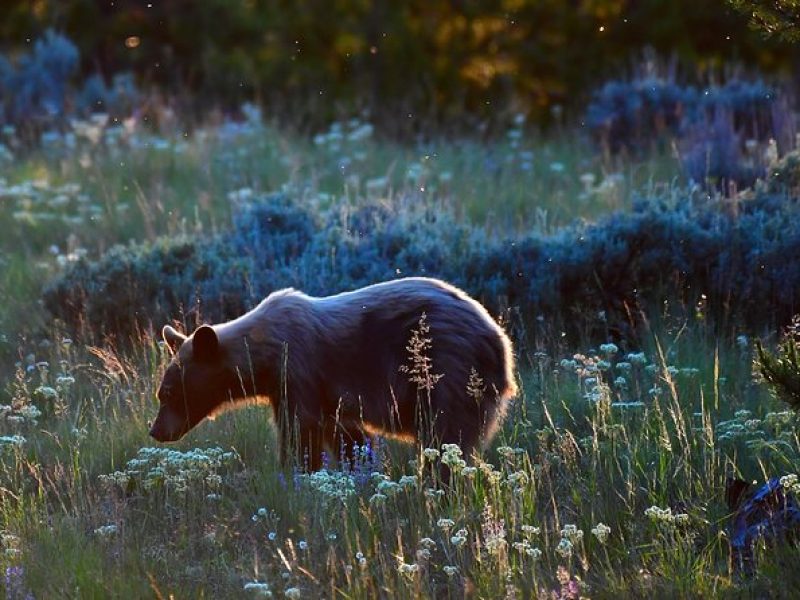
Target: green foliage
{"points": [[779, 18], [781, 370], [462, 63]]}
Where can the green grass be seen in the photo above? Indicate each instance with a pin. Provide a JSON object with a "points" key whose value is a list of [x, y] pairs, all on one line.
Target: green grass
{"points": [[560, 460]]}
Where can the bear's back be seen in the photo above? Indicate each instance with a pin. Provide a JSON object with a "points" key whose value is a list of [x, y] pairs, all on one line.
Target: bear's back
{"points": [[365, 339]]}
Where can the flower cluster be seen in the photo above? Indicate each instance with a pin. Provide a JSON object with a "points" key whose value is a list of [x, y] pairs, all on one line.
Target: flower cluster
{"points": [[258, 588], [524, 547], [172, 469], [601, 531], [331, 486], [791, 483], [408, 569], [494, 532], [459, 538], [11, 443], [665, 516], [106, 531], [451, 456]]}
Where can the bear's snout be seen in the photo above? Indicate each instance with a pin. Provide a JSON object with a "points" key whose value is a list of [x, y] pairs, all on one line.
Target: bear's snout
{"points": [[169, 426]]}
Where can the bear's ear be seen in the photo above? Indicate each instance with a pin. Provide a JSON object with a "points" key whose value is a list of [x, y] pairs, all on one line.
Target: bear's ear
{"points": [[205, 343], [173, 338]]}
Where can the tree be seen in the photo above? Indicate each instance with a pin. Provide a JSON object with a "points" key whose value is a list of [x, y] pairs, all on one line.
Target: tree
{"points": [[780, 18]]}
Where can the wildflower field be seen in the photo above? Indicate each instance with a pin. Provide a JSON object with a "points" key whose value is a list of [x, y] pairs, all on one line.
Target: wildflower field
{"points": [[633, 270]]}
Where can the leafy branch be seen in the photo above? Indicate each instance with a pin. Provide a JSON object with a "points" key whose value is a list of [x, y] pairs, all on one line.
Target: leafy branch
{"points": [[780, 18], [782, 369]]}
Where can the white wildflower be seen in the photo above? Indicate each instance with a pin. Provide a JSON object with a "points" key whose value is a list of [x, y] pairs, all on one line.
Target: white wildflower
{"points": [[601, 531]]}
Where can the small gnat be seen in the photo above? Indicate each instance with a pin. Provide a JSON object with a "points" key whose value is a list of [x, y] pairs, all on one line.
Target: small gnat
{"points": [[258, 588]]}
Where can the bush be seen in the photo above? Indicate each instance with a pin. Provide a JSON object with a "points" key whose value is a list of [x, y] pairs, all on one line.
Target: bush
{"points": [[39, 91], [694, 252], [35, 87], [627, 114], [722, 132]]}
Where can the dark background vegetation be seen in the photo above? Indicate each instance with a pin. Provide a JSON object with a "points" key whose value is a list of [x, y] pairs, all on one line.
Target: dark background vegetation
{"points": [[463, 62]]}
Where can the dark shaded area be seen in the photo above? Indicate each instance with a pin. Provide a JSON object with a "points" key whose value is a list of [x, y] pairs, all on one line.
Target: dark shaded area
{"points": [[430, 63]]}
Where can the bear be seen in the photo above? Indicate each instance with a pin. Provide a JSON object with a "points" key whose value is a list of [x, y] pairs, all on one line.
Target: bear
{"points": [[413, 358]]}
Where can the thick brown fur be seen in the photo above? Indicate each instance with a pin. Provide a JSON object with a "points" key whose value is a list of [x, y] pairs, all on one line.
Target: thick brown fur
{"points": [[336, 369]]}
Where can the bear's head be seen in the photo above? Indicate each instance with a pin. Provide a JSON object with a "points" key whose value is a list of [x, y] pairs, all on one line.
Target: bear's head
{"points": [[199, 379]]}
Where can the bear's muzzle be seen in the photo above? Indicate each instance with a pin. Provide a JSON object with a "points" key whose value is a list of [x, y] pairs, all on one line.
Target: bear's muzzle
{"points": [[169, 426]]}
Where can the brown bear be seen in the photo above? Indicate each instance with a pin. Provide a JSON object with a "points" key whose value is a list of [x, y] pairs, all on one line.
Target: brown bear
{"points": [[413, 358]]}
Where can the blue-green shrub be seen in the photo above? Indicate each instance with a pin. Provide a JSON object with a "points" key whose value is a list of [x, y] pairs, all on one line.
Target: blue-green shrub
{"points": [[733, 261]]}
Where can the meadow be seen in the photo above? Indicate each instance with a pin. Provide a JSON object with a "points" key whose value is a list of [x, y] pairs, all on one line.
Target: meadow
{"points": [[609, 476]]}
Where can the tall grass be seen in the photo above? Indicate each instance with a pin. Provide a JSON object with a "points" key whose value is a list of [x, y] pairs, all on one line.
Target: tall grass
{"points": [[581, 448], [562, 503]]}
